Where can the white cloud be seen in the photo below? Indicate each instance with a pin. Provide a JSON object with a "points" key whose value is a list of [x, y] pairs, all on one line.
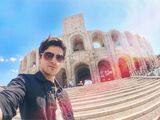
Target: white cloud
{"points": [[12, 59], [15, 71], [2, 59], [20, 58], [143, 15], [143, 18]]}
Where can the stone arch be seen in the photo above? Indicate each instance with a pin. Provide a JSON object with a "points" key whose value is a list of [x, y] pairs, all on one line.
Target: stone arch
{"points": [[61, 76], [32, 59], [98, 39], [148, 65], [115, 36], [82, 73], [105, 71], [136, 63], [77, 42], [124, 68], [129, 37]]}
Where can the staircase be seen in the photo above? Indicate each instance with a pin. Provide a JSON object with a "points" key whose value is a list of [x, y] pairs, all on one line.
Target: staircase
{"points": [[137, 98]]}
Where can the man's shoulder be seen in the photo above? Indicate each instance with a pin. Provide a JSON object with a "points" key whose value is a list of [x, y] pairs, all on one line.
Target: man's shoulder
{"points": [[26, 76], [21, 79]]}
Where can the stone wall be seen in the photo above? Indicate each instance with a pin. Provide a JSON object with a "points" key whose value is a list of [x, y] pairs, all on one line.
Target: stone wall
{"points": [[96, 55]]}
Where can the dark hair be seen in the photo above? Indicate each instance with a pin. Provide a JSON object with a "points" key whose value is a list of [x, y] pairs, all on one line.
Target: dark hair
{"points": [[51, 41]]}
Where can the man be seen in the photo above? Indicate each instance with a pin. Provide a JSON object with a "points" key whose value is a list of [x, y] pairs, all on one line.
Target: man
{"points": [[36, 94]]}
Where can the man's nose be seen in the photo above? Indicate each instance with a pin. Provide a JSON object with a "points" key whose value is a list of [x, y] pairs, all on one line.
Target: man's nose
{"points": [[54, 60]]}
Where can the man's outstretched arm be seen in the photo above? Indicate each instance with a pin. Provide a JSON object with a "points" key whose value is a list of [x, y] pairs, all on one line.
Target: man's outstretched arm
{"points": [[0, 114], [10, 98]]}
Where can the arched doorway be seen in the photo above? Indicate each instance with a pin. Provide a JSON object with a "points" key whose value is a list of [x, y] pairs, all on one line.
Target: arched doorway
{"points": [[105, 71], [115, 35], [82, 73], [124, 70], [97, 39], [148, 66], [77, 43], [136, 63], [62, 78]]}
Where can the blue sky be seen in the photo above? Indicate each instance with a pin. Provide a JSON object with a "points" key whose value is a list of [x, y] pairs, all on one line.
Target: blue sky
{"points": [[25, 23]]}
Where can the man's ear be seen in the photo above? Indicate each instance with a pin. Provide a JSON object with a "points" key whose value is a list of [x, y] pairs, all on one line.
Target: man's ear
{"points": [[40, 57]]}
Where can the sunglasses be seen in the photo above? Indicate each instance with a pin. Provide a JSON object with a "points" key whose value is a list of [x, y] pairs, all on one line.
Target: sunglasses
{"points": [[49, 56]]}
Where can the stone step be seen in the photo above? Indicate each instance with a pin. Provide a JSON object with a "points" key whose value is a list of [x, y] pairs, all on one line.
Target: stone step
{"points": [[115, 90], [157, 116], [136, 98], [150, 113], [97, 85], [111, 96], [105, 89], [103, 86], [111, 102], [121, 82], [84, 99], [122, 109]]}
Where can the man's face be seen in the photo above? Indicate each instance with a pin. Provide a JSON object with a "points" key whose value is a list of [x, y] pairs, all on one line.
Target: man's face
{"points": [[51, 60]]}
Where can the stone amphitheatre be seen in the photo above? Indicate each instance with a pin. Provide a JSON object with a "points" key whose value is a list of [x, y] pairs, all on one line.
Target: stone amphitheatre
{"points": [[118, 65]]}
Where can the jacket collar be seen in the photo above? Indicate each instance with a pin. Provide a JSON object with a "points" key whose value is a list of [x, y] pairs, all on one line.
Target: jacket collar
{"points": [[41, 78]]}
